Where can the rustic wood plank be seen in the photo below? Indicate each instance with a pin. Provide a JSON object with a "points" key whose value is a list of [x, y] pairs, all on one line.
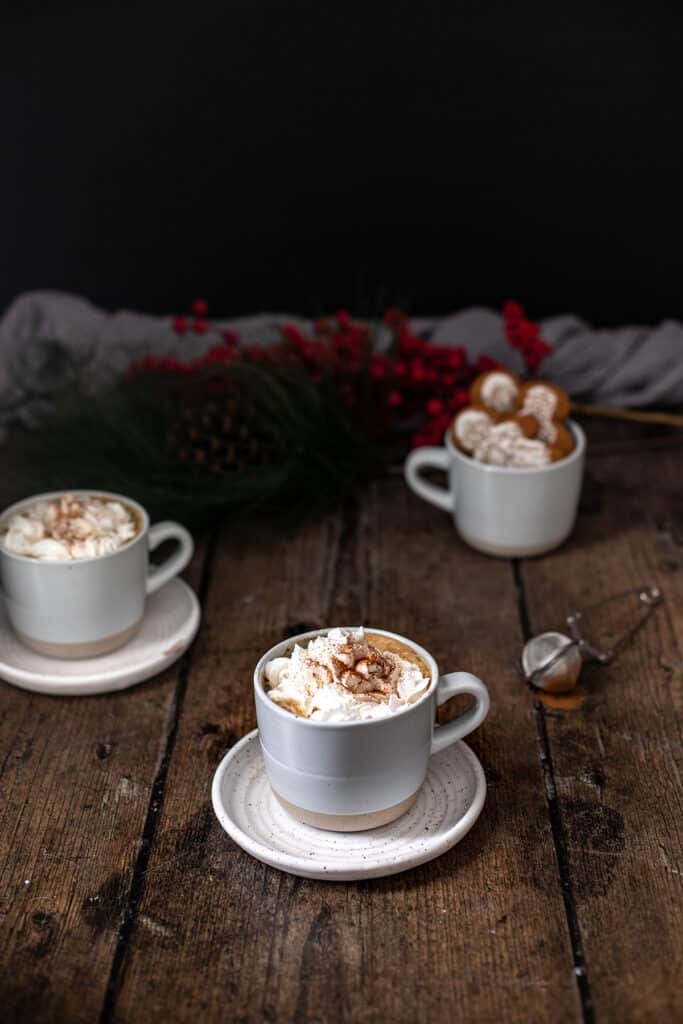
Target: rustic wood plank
{"points": [[617, 762], [75, 782], [479, 934]]}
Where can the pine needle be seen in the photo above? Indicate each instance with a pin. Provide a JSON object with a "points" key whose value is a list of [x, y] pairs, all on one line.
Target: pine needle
{"points": [[119, 442]]}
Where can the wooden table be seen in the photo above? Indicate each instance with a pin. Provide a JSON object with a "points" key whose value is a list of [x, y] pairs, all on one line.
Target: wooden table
{"points": [[121, 899]]}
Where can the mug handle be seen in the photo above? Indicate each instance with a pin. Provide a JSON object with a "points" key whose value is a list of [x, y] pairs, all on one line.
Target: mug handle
{"points": [[447, 687], [157, 576], [436, 458]]}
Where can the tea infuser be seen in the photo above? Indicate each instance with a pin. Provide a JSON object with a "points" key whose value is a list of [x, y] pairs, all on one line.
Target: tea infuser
{"points": [[552, 661]]}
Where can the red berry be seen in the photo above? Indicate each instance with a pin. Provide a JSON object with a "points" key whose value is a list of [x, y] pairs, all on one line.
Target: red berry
{"points": [[393, 317], [344, 318], [200, 307], [173, 365], [512, 310], [434, 406], [199, 325], [217, 354], [179, 324], [524, 334], [528, 332], [294, 336], [409, 344], [395, 398]]}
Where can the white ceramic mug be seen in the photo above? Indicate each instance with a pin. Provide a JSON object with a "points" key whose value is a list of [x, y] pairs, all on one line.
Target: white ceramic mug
{"points": [[349, 776], [503, 510], [88, 606]]}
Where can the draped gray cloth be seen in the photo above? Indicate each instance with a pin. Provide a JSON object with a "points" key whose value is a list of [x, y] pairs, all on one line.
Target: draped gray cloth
{"points": [[51, 340]]}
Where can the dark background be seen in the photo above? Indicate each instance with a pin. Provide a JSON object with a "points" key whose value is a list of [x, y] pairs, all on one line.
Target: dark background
{"points": [[305, 156]]}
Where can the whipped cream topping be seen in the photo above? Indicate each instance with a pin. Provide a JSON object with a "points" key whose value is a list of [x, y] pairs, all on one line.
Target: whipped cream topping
{"points": [[547, 431], [506, 445], [471, 427], [499, 391], [70, 527], [341, 677], [529, 452]]}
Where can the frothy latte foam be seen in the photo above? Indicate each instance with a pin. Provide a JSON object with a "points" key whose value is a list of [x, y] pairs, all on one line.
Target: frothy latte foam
{"points": [[343, 677], [71, 527]]}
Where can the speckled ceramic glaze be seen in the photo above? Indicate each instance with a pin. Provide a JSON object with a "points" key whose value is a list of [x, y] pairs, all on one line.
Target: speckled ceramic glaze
{"points": [[448, 804], [502, 510]]}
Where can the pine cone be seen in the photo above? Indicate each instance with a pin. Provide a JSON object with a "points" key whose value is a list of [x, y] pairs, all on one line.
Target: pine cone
{"points": [[220, 437]]}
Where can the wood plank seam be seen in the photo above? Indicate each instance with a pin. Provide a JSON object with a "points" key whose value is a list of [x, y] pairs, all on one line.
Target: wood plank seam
{"points": [[557, 826], [154, 809], [270, 938]]}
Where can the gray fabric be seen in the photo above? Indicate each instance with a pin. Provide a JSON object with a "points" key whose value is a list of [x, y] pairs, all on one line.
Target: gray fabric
{"points": [[49, 340], [625, 366]]}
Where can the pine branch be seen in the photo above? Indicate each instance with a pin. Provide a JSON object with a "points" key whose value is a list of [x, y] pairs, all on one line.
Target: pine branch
{"points": [[119, 442]]}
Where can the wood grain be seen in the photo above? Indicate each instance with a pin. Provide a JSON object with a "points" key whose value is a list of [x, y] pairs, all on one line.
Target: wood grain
{"points": [[122, 899], [618, 762], [480, 933], [75, 782]]}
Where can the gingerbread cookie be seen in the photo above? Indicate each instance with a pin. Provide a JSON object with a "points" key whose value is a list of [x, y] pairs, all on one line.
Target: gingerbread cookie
{"points": [[513, 424], [528, 425], [557, 436], [543, 400], [557, 452], [469, 427], [498, 390]]}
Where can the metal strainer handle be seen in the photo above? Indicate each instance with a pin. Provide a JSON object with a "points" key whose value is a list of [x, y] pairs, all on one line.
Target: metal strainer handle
{"points": [[650, 597]]}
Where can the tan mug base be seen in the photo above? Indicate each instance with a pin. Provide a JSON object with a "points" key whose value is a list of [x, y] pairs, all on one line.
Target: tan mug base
{"points": [[348, 822], [510, 550], [90, 649]]}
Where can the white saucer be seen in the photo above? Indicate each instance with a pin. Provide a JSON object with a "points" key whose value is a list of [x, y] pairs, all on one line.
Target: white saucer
{"points": [[448, 805], [167, 630]]}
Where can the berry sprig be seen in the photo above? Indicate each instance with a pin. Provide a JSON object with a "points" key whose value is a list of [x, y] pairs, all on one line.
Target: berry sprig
{"points": [[524, 335], [414, 381]]}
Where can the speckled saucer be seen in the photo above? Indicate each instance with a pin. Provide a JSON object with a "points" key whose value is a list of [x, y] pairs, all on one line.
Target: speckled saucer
{"points": [[168, 628], [449, 803]]}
